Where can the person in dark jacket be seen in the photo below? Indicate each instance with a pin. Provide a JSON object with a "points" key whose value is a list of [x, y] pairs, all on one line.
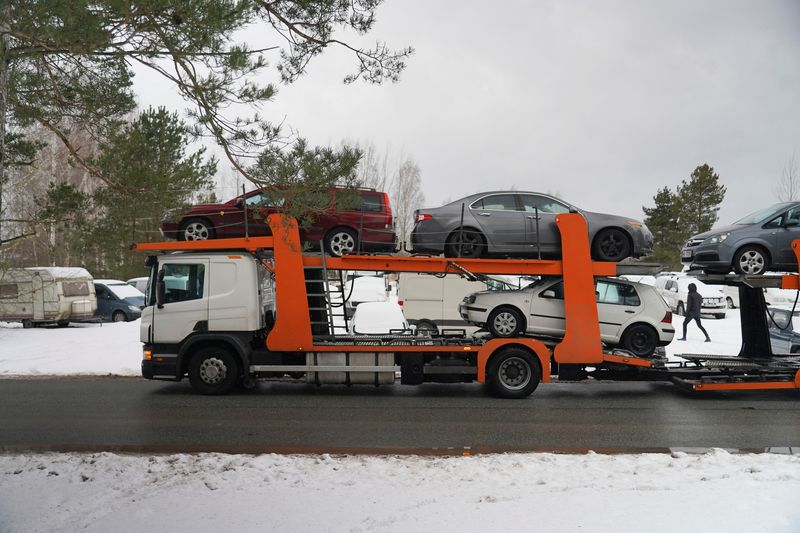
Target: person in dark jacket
{"points": [[694, 304]]}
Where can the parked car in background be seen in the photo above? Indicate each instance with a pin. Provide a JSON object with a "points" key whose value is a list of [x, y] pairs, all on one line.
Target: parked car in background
{"points": [[749, 246], [632, 316], [783, 337], [46, 295], [508, 222], [430, 302], [139, 283], [772, 296], [367, 226], [117, 301], [363, 289], [378, 318], [675, 291]]}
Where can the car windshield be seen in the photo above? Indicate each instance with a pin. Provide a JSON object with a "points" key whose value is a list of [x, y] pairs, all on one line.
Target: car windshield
{"points": [[761, 216]]}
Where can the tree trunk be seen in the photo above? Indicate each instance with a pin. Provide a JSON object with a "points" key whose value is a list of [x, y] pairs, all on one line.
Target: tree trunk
{"points": [[4, 63]]}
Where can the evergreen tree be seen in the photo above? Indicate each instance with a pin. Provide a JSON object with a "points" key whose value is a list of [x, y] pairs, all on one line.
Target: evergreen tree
{"points": [[662, 220], [699, 200]]}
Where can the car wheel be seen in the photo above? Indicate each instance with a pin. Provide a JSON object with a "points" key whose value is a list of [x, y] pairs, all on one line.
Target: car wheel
{"points": [[680, 310], [750, 261], [513, 373], [505, 322], [427, 327], [119, 316], [612, 245], [466, 243], [729, 300], [640, 339], [341, 241], [196, 229], [213, 370]]}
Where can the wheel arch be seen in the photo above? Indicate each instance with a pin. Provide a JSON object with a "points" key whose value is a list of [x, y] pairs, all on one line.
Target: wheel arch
{"points": [[539, 351], [504, 305], [468, 227], [235, 343]]}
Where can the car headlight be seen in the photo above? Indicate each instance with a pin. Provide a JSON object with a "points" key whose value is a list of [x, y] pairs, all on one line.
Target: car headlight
{"points": [[469, 299], [134, 308], [635, 224], [714, 239]]}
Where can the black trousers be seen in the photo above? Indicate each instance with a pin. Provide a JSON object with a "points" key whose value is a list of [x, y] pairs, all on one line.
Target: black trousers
{"points": [[699, 325]]}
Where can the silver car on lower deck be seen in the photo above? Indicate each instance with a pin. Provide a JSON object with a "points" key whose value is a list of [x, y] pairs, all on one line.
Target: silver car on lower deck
{"points": [[521, 223]]}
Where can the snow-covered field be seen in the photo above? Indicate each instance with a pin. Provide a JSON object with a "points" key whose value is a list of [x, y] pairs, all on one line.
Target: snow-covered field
{"points": [[716, 491], [514, 492]]}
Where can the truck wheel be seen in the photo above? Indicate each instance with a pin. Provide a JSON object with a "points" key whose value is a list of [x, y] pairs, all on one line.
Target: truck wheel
{"points": [[119, 316], [213, 370], [641, 340], [505, 322], [513, 373], [27, 323]]}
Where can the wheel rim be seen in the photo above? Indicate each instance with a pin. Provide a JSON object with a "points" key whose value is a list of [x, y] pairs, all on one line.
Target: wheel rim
{"points": [[196, 231], [514, 373], [213, 371], [752, 262], [342, 242], [505, 323], [613, 245], [640, 341], [467, 244]]}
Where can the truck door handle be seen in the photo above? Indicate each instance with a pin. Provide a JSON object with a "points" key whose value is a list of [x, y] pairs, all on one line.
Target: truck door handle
{"points": [[485, 214], [532, 217]]}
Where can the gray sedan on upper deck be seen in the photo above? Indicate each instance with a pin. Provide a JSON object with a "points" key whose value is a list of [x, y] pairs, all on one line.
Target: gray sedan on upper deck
{"points": [[508, 222]]}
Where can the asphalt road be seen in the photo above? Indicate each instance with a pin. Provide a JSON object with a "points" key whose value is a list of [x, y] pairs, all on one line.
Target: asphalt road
{"points": [[135, 415]]}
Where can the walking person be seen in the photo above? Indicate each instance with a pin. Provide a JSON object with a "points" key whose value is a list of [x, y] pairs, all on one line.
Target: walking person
{"points": [[694, 305]]}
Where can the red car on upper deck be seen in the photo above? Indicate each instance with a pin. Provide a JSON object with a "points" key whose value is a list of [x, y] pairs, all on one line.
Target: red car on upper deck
{"points": [[368, 226]]}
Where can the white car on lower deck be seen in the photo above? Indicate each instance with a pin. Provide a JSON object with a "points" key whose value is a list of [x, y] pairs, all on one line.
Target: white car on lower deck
{"points": [[632, 316]]}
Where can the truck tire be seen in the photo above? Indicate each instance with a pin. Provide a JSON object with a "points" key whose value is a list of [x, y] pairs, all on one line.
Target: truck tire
{"points": [[513, 373], [213, 370]]}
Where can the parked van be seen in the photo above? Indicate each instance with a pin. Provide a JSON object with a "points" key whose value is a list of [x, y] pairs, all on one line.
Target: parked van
{"points": [[42, 295], [431, 303]]}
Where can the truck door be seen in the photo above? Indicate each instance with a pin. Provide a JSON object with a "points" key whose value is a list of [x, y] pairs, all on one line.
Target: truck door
{"points": [[185, 305]]}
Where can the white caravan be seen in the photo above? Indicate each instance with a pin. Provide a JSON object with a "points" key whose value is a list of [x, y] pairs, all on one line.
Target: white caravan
{"points": [[41, 295]]}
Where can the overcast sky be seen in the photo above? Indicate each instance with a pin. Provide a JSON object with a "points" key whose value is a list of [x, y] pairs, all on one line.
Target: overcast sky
{"points": [[603, 102]]}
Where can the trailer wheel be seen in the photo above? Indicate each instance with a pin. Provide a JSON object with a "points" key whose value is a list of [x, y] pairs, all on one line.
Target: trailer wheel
{"points": [[213, 370], [27, 323], [513, 373]]}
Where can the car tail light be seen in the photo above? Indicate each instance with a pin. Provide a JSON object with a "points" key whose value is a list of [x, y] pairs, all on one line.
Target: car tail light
{"points": [[388, 211], [667, 318], [400, 303], [422, 217]]}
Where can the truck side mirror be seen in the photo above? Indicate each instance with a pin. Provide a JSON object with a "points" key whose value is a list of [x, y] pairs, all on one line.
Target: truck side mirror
{"points": [[161, 289]]}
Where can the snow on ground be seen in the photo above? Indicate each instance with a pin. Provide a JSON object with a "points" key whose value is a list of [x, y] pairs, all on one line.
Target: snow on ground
{"points": [[725, 333], [103, 492], [110, 348]]}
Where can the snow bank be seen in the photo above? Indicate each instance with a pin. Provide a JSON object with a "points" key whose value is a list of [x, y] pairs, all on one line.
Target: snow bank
{"points": [[514, 492], [111, 348]]}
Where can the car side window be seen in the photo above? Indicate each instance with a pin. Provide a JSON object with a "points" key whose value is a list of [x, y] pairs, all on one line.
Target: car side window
{"points": [[775, 222], [371, 203], [781, 320], [496, 202], [616, 293], [265, 199], [557, 290], [532, 202], [792, 217], [186, 282]]}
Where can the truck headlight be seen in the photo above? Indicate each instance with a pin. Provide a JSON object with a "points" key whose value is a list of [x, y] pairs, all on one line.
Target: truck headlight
{"points": [[714, 239]]}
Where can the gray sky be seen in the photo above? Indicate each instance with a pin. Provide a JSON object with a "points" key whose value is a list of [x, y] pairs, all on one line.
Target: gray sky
{"points": [[604, 102]]}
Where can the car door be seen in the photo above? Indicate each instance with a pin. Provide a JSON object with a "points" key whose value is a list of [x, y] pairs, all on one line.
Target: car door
{"points": [[781, 236], [500, 220], [103, 301], [546, 314], [540, 222], [618, 305]]}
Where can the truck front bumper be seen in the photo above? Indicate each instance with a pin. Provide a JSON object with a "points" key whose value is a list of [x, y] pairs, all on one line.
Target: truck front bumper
{"points": [[160, 366]]}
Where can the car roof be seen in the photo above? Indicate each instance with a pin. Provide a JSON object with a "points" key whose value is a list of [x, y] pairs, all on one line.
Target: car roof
{"points": [[110, 282]]}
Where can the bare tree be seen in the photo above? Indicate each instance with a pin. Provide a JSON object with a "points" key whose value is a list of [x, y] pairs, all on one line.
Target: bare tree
{"points": [[788, 188], [373, 169], [406, 197]]}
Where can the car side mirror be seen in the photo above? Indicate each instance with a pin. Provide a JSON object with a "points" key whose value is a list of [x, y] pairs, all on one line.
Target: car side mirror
{"points": [[161, 290], [549, 293]]}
